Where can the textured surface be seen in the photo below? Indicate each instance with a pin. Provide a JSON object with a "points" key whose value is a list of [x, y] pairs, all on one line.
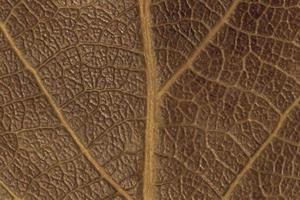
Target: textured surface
{"points": [[149, 100]]}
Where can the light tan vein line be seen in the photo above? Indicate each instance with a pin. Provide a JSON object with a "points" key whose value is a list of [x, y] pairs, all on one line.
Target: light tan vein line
{"points": [[148, 181], [12, 194], [85, 151], [260, 150], [198, 50]]}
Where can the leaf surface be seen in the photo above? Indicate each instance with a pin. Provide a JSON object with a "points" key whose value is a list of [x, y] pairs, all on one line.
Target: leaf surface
{"points": [[140, 99]]}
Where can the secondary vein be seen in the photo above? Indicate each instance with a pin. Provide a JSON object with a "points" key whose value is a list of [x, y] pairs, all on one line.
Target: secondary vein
{"points": [[199, 49], [64, 122], [9, 191], [251, 161]]}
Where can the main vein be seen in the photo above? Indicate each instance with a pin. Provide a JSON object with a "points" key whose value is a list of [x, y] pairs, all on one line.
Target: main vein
{"points": [[260, 150], [148, 181], [64, 122], [12, 194], [199, 49]]}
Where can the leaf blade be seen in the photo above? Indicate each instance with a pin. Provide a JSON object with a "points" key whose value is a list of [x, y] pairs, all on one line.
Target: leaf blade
{"points": [[83, 149]]}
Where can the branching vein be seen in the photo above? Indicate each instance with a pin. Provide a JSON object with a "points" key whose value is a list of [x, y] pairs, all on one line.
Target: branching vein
{"points": [[200, 48]]}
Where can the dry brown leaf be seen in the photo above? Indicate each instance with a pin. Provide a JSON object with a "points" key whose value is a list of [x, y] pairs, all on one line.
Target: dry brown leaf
{"points": [[152, 100]]}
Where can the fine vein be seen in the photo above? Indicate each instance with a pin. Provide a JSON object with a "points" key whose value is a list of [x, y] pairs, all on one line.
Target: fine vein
{"points": [[51, 101], [251, 161], [9, 191], [148, 181], [200, 48]]}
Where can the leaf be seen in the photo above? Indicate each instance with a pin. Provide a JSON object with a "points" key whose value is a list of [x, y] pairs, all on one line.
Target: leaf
{"points": [[140, 99]]}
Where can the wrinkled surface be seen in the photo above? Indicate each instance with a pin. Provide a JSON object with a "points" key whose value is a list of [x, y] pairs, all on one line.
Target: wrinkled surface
{"points": [[79, 117]]}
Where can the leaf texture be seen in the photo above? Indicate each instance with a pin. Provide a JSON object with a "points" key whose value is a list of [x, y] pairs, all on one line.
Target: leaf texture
{"points": [[149, 99]]}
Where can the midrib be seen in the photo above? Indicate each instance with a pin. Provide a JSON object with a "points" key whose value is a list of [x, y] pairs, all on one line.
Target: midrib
{"points": [[152, 101]]}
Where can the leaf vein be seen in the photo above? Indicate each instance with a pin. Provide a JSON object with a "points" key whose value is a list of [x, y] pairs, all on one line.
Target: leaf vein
{"points": [[64, 122], [251, 161], [9, 190], [152, 101], [198, 50]]}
